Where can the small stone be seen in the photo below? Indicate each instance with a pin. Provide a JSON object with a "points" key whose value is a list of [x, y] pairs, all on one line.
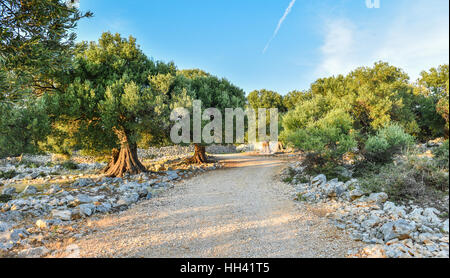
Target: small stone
{"points": [[128, 199], [103, 208], [374, 251], [83, 199], [42, 224], [65, 215], [394, 211], [87, 209], [355, 194], [30, 190], [377, 198], [83, 182], [431, 216], [416, 215], [54, 189], [9, 191], [400, 229], [4, 226], [17, 234], [444, 226], [37, 252], [318, 180]]}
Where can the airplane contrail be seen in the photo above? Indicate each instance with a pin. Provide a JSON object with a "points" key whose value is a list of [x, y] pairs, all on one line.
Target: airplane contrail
{"points": [[288, 10]]}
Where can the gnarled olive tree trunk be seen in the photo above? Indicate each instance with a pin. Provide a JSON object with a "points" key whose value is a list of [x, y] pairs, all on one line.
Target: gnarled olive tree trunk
{"points": [[124, 160], [199, 155]]}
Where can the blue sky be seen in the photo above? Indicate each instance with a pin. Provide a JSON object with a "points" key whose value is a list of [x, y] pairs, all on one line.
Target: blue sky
{"points": [[315, 38]]}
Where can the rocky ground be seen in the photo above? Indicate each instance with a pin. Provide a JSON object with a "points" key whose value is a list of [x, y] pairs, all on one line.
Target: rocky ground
{"points": [[389, 230], [59, 209], [240, 210], [41, 201]]}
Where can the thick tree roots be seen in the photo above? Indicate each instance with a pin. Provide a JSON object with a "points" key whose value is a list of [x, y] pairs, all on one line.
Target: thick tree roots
{"points": [[124, 161], [199, 157]]}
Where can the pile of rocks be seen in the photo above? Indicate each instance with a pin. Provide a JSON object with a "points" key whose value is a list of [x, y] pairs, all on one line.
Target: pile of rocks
{"points": [[167, 152], [182, 151], [392, 231], [34, 211], [24, 172]]}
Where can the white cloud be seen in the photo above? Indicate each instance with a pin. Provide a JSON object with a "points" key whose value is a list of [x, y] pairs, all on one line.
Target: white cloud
{"points": [[417, 39], [286, 13], [338, 49], [416, 42]]}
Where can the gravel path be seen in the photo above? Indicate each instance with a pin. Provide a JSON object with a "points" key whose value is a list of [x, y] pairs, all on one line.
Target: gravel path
{"points": [[239, 211]]}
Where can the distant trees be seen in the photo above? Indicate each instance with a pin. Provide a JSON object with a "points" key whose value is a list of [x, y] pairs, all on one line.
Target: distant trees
{"points": [[295, 97], [22, 127], [356, 107], [432, 103], [266, 99], [213, 92]]}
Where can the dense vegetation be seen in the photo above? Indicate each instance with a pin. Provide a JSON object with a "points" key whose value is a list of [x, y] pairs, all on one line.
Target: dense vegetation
{"points": [[109, 98], [369, 118]]}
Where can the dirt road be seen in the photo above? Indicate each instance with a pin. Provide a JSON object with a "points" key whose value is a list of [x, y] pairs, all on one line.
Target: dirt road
{"points": [[239, 211]]}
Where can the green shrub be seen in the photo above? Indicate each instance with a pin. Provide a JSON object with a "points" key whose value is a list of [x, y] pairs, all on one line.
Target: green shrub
{"points": [[442, 155], [69, 165], [288, 179], [22, 127], [388, 141], [414, 176], [328, 138], [8, 175], [5, 198]]}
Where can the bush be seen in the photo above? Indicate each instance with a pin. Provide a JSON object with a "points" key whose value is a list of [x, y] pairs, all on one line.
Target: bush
{"points": [[8, 175], [413, 176], [22, 127], [69, 165], [328, 138], [388, 141], [5, 198], [442, 155]]}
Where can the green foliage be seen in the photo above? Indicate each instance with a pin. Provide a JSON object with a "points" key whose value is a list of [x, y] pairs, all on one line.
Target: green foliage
{"points": [[5, 198], [371, 97], [294, 98], [300, 198], [22, 127], [266, 99], [36, 40], [387, 142], [414, 176], [374, 96], [442, 155], [188, 85], [109, 100], [62, 139], [8, 174], [288, 179], [432, 103], [431, 124], [330, 137], [69, 165]]}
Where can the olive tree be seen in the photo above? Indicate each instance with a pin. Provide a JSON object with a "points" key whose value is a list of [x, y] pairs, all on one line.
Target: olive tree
{"points": [[109, 103]]}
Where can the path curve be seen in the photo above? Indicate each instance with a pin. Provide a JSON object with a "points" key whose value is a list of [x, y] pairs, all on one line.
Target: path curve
{"points": [[239, 211]]}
